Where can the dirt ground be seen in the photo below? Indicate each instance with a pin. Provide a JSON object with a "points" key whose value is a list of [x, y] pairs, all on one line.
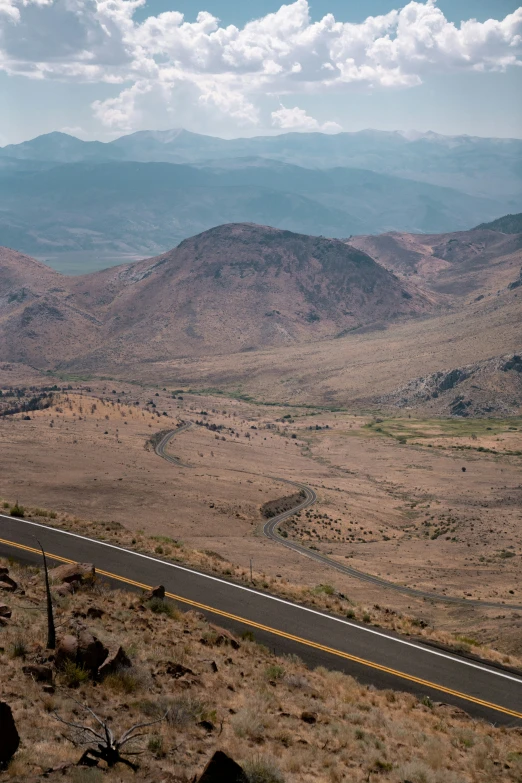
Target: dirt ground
{"points": [[393, 498]]}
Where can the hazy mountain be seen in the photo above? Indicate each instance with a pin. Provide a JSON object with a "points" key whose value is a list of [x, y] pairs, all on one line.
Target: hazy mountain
{"points": [[233, 288], [60, 148], [120, 209], [479, 166]]}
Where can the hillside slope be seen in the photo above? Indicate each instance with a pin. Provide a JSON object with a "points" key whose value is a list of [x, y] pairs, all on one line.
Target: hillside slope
{"points": [[463, 264], [234, 288], [509, 224]]}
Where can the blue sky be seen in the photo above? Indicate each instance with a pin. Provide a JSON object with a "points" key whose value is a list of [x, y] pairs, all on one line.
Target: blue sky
{"points": [[323, 65]]}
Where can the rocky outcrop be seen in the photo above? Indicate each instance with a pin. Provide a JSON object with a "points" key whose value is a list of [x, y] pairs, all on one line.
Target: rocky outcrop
{"points": [[114, 662], [74, 572], [492, 387], [86, 650]]}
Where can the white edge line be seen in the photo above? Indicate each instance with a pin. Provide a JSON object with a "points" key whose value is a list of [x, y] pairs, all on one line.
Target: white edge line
{"points": [[273, 598]]}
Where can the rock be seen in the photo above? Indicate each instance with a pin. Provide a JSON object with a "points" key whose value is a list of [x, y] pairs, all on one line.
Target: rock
{"points": [[74, 572], [177, 670], [39, 673], [65, 589], [91, 652], [224, 637], [309, 717], [5, 611], [115, 661], [7, 584], [94, 613], [213, 666], [50, 689], [156, 592], [207, 725], [222, 769], [3, 570], [67, 650], [9, 738]]}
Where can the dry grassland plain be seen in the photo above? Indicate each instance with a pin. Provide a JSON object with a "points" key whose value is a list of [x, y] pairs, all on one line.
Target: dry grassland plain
{"points": [[393, 498]]}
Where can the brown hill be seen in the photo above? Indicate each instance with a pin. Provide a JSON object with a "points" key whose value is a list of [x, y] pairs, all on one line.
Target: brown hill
{"points": [[234, 288], [459, 265]]}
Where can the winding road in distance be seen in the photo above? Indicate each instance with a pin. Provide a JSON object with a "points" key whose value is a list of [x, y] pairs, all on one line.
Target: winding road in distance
{"points": [[270, 530], [374, 656]]}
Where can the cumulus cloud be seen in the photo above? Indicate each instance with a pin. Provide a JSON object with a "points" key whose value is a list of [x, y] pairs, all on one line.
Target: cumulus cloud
{"points": [[298, 119], [226, 69]]}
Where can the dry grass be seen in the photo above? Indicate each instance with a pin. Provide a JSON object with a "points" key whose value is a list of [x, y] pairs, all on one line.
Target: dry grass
{"points": [[360, 733]]}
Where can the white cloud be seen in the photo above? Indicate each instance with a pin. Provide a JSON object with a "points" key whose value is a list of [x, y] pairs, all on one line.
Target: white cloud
{"points": [[227, 70], [298, 119]]}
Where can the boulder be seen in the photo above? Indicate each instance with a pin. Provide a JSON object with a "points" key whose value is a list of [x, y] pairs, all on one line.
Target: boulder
{"points": [[155, 592], [224, 637], [91, 652], [67, 650], [222, 768], [177, 670], [74, 572], [9, 738], [7, 584], [39, 673], [65, 589], [309, 717], [5, 611], [116, 660]]}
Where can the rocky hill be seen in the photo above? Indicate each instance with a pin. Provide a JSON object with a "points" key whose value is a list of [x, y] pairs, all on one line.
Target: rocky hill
{"points": [[489, 388], [462, 264], [234, 288]]}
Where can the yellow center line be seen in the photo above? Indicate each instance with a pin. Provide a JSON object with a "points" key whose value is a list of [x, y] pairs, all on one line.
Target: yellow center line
{"points": [[284, 635]]}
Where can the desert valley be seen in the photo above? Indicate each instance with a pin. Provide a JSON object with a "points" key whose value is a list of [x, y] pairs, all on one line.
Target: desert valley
{"points": [[260, 401]]}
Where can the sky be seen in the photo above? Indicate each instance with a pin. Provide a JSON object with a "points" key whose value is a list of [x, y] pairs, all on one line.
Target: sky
{"points": [[101, 68]]}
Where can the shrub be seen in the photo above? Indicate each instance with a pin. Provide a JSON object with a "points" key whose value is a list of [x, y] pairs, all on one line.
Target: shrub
{"points": [[74, 675], [19, 648], [185, 710], [123, 681], [263, 770], [274, 672], [17, 511], [249, 723], [155, 746], [159, 606], [326, 589]]}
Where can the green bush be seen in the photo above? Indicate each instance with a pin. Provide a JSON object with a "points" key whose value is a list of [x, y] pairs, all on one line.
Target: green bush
{"points": [[159, 606], [17, 511], [274, 672], [74, 675]]}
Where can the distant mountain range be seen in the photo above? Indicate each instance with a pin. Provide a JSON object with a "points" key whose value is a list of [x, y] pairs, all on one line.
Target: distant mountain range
{"points": [[103, 203], [479, 166]]}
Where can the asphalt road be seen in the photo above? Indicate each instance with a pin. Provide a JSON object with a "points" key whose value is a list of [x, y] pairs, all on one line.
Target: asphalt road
{"points": [[373, 656]]}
